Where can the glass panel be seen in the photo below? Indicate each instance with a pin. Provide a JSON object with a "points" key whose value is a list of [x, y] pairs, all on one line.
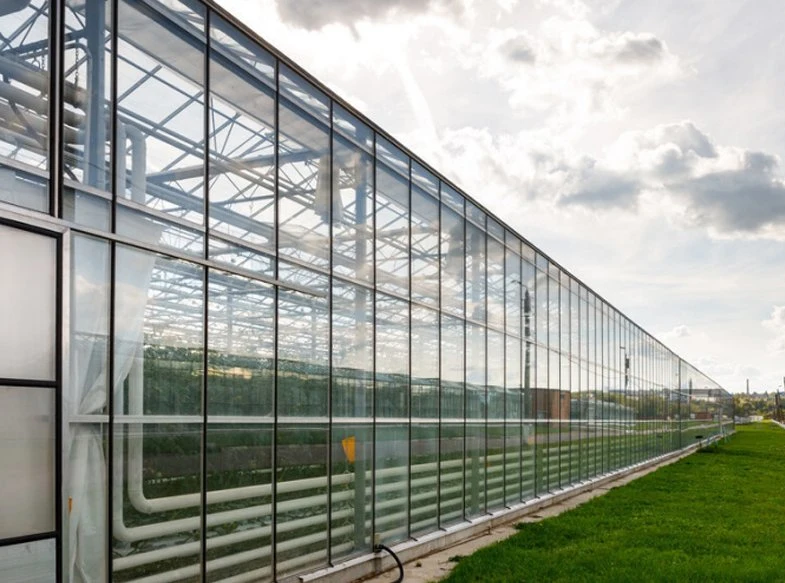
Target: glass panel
{"points": [[392, 231], [425, 477], [244, 52], [392, 357], [87, 74], [352, 211], [27, 456], [350, 126], [24, 104], [452, 368], [303, 346], [425, 246], [475, 273], [306, 97], [453, 268], [301, 497], [28, 310], [160, 108], [305, 186], [494, 466], [425, 363], [240, 426], [242, 149], [476, 397], [452, 198], [86, 398], [352, 350], [392, 476], [32, 562], [474, 470], [159, 369], [495, 283], [352, 447]]}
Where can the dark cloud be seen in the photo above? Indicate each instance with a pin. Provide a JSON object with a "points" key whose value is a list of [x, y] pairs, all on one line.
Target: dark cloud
{"points": [[640, 49], [738, 201], [604, 190], [315, 14], [519, 50]]}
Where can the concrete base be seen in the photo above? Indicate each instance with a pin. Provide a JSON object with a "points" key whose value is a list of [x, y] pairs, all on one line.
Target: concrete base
{"points": [[499, 523]]}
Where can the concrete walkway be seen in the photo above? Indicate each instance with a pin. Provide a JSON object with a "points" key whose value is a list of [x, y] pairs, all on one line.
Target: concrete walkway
{"points": [[437, 565]]}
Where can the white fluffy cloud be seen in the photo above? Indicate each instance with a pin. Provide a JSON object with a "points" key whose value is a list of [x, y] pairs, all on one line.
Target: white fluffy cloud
{"points": [[775, 324], [315, 14], [680, 331], [674, 170]]}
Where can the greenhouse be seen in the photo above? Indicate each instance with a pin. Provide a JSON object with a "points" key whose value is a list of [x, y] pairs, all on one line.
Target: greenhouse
{"points": [[247, 334]]}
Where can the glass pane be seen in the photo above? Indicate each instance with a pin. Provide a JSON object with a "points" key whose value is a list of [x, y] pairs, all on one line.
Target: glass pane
{"points": [[352, 211], [28, 310], [240, 364], [392, 357], [87, 400], [32, 562], [352, 449], [392, 231], [424, 477], [392, 475], [301, 501], [239, 388], [160, 108], [88, 71], [453, 268], [475, 273], [242, 153], [305, 186], [425, 246], [27, 456], [159, 370], [425, 363], [24, 104], [352, 382], [303, 347]]}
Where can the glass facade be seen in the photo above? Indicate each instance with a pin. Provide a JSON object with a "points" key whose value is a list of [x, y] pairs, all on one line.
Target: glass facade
{"points": [[282, 334]]}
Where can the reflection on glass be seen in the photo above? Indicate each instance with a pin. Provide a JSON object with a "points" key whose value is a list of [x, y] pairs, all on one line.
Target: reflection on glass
{"points": [[352, 210], [242, 150], [86, 113], [160, 108], [24, 104]]}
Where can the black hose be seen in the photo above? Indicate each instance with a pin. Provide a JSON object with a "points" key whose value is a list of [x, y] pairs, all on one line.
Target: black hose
{"points": [[394, 556]]}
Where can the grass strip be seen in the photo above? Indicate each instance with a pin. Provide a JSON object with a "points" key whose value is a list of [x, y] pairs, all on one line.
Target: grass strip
{"points": [[713, 516]]}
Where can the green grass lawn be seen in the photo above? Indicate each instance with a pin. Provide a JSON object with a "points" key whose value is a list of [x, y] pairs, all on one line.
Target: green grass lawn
{"points": [[717, 515]]}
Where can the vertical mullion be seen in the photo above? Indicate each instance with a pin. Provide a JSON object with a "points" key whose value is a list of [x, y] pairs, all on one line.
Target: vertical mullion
{"points": [[439, 354], [55, 153], [112, 285], [409, 365], [205, 281], [329, 472], [276, 331], [374, 348]]}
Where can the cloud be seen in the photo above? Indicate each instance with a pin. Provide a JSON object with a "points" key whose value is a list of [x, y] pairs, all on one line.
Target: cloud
{"points": [[775, 324], [629, 47], [680, 331], [519, 49], [673, 170], [315, 14]]}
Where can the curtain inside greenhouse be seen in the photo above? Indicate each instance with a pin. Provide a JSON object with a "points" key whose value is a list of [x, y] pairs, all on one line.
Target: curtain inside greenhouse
{"points": [[87, 395]]}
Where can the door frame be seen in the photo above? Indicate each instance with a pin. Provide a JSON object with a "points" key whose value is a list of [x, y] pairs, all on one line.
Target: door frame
{"points": [[32, 222]]}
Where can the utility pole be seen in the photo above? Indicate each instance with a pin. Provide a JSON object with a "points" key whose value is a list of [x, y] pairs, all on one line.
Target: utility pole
{"points": [[748, 387]]}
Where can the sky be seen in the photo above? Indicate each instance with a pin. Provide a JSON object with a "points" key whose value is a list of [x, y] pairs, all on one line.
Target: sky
{"points": [[640, 144]]}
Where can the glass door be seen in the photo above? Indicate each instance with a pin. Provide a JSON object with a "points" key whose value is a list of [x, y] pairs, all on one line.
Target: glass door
{"points": [[30, 384]]}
